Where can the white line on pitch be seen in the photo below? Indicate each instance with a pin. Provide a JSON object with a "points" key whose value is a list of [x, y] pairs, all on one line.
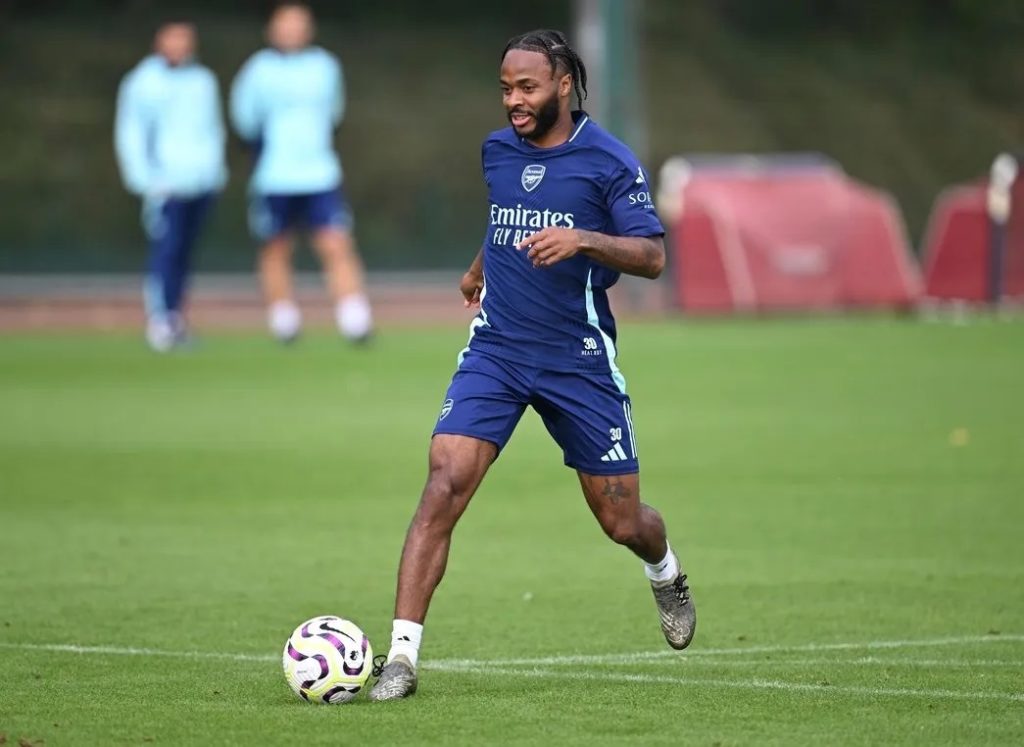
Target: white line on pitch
{"points": [[863, 661], [451, 664], [636, 658], [743, 684], [467, 666], [123, 651]]}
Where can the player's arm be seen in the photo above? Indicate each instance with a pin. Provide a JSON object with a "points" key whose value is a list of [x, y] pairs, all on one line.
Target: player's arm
{"points": [[634, 255], [244, 105], [473, 281], [131, 134]]}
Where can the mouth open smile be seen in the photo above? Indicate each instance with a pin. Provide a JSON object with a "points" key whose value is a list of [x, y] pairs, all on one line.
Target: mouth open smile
{"points": [[520, 119]]}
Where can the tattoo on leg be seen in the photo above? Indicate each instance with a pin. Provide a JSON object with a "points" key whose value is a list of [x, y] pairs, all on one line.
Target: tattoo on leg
{"points": [[615, 491]]}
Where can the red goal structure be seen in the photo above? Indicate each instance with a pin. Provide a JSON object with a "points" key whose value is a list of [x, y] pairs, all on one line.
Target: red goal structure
{"points": [[781, 232], [974, 245]]}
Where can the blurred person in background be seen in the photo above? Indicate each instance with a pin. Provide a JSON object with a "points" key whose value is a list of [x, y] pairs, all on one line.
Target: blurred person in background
{"points": [[169, 137], [286, 102]]}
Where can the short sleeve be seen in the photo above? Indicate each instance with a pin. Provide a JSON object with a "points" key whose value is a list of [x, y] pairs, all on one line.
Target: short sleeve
{"points": [[629, 202], [483, 162]]}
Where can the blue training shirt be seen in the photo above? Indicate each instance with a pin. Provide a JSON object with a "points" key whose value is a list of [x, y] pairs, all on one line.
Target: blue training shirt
{"points": [[556, 318]]}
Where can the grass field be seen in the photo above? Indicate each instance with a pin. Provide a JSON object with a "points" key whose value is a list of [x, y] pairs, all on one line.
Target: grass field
{"points": [[848, 496]]}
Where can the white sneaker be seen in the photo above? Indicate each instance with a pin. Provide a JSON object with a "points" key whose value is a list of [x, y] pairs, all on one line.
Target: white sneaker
{"points": [[160, 335]]}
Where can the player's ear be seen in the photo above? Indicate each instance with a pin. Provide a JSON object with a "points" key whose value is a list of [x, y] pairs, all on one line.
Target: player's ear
{"points": [[565, 85]]}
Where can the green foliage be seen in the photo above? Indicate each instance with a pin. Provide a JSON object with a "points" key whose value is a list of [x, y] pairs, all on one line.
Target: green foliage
{"points": [[909, 96], [824, 481]]}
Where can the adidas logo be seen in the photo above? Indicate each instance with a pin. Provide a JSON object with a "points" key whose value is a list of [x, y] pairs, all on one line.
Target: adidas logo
{"points": [[615, 454], [640, 175]]}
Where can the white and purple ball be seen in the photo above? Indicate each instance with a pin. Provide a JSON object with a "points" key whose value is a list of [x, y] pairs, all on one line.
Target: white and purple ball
{"points": [[327, 660]]}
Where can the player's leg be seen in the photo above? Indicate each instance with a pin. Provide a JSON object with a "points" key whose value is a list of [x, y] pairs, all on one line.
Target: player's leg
{"points": [[161, 221], [480, 411], [275, 268], [457, 466], [270, 220], [194, 212], [330, 218], [615, 502], [591, 419]]}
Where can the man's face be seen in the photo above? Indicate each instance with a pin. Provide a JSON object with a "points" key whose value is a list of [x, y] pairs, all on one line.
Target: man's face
{"points": [[532, 95], [176, 42], [291, 28]]}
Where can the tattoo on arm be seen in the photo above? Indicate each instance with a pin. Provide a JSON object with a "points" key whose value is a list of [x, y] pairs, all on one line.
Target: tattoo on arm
{"points": [[633, 255], [614, 490]]}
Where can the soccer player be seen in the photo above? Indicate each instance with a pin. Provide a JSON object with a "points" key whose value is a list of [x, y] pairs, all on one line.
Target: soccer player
{"points": [[286, 102], [169, 140], [570, 210]]}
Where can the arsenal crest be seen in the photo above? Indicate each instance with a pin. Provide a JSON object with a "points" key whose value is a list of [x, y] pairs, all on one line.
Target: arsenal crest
{"points": [[446, 408], [532, 175]]}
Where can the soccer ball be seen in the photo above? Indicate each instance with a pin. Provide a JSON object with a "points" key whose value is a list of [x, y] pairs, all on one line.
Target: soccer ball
{"points": [[327, 660]]}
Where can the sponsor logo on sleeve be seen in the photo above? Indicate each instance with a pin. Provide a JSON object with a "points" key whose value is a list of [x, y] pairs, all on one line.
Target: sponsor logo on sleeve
{"points": [[642, 197]]}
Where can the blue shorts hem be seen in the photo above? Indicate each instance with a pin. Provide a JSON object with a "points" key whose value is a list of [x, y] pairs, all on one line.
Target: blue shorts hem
{"points": [[609, 470], [467, 434], [275, 214]]}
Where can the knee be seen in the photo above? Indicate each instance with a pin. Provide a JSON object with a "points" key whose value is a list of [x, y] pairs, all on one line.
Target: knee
{"points": [[623, 530], [332, 244], [441, 497], [276, 250]]}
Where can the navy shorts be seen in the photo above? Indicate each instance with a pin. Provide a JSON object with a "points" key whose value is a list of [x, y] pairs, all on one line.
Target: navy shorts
{"points": [[272, 214], [586, 413]]}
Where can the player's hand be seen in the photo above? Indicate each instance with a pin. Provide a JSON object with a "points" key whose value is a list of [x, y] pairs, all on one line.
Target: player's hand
{"points": [[551, 245], [471, 285]]}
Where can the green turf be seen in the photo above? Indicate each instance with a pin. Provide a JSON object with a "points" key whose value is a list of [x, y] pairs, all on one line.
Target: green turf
{"points": [[208, 502]]}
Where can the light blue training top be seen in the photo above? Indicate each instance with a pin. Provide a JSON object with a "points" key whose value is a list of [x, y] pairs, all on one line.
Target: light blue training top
{"points": [[287, 104], [169, 133]]}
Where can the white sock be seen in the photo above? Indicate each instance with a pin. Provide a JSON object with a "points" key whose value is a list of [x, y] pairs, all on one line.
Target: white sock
{"points": [[285, 319], [666, 570], [405, 640], [353, 316]]}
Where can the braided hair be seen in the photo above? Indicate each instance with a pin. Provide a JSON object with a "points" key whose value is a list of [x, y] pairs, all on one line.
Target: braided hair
{"points": [[562, 57]]}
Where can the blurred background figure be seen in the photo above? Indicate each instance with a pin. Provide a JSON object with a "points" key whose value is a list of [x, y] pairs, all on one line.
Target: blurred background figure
{"points": [[286, 102], [169, 138]]}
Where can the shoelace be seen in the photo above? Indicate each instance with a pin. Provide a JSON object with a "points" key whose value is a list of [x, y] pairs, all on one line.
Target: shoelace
{"points": [[378, 665], [681, 588]]}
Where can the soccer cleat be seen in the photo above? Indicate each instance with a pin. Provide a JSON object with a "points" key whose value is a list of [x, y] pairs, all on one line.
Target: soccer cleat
{"points": [[398, 680], [675, 607]]}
